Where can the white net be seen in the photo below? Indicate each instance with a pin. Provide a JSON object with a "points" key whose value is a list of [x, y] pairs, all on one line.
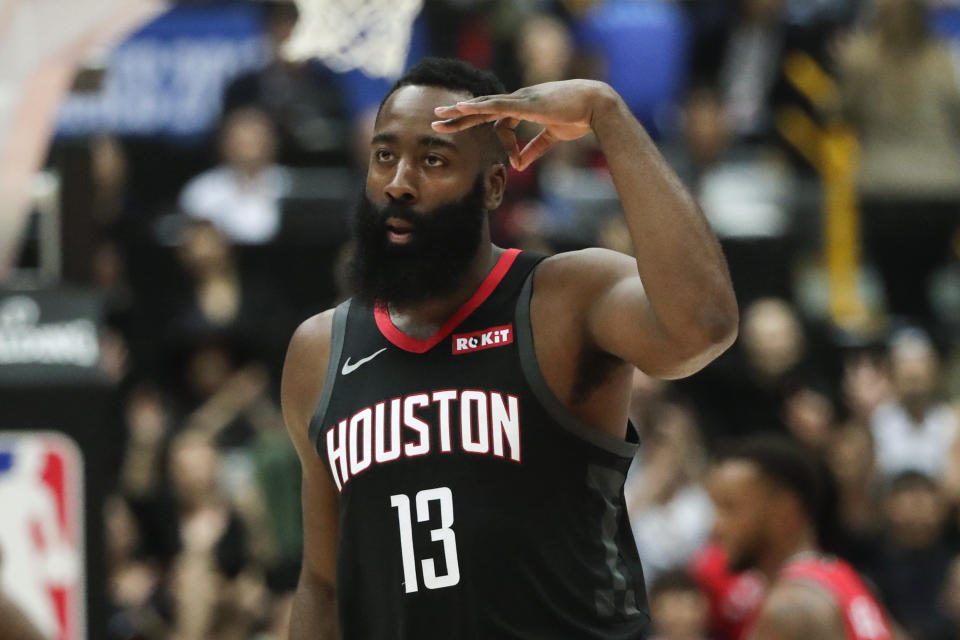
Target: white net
{"points": [[371, 35]]}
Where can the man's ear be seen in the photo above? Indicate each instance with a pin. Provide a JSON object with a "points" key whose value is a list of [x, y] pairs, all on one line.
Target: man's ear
{"points": [[494, 183]]}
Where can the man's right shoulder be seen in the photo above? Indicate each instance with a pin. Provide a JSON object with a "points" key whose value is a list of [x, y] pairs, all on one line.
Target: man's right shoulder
{"points": [[304, 372], [314, 332]]}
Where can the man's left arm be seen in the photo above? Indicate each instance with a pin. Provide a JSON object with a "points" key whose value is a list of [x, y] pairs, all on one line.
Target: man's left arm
{"points": [[686, 293], [671, 311]]}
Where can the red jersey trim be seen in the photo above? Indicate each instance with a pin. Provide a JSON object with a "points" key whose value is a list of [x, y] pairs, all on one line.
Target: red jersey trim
{"points": [[415, 345], [844, 585]]}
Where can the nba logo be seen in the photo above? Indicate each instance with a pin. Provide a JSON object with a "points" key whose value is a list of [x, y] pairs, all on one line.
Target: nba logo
{"points": [[41, 531]]}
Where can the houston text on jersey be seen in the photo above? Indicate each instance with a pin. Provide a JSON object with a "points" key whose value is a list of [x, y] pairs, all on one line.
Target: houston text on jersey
{"points": [[482, 422]]}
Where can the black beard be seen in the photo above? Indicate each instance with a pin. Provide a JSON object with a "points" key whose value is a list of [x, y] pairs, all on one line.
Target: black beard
{"points": [[432, 264]]}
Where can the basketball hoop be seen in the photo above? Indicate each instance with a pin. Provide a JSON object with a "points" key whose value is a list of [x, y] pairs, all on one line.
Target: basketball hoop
{"points": [[371, 35]]}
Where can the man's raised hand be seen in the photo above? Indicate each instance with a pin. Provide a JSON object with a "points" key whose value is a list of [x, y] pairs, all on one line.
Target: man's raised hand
{"points": [[566, 110]]}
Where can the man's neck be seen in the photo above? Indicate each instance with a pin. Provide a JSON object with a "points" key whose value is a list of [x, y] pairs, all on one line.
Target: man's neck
{"points": [[422, 319], [782, 554]]}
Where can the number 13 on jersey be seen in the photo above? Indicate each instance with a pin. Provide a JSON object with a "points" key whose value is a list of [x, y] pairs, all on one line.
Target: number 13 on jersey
{"points": [[444, 534]]}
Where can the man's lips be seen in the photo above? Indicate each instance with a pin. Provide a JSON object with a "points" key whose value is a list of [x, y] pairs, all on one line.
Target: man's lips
{"points": [[399, 231]]}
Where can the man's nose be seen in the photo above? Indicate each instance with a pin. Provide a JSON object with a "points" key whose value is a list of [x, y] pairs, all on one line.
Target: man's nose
{"points": [[403, 186]]}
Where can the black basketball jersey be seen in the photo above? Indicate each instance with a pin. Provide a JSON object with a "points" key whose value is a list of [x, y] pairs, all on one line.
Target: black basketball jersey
{"points": [[472, 503]]}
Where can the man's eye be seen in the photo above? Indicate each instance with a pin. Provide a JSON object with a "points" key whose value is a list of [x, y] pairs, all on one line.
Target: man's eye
{"points": [[434, 161], [382, 155]]}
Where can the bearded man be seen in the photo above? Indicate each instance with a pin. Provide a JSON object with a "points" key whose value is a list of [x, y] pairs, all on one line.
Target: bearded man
{"points": [[462, 420]]}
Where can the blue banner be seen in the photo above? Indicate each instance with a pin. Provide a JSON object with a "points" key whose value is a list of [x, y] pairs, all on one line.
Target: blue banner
{"points": [[168, 77]]}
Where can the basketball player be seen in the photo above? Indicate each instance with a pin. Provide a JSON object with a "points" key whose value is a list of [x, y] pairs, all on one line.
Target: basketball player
{"points": [[461, 421], [766, 498]]}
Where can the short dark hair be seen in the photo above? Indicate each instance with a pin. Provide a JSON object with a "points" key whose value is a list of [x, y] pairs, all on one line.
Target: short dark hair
{"points": [[449, 73], [789, 466], [454, 75]]}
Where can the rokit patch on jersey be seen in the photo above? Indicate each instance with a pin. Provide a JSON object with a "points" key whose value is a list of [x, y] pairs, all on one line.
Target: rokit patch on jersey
{"points": [[485, 339]]}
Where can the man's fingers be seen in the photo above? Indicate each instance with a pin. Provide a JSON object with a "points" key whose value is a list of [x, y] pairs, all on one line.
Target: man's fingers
{"points": [[451, 125], [492, 96], [504, 129], [507, 123], [534, 149], [501, 105], [520, 160]]}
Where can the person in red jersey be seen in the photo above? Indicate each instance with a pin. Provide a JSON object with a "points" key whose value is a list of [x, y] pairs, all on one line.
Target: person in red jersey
{"points": [[767, 495], [733, 598]]}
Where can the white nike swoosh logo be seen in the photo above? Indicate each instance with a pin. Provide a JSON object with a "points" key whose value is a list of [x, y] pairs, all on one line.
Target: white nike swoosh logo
{"points": [[349, 368]]}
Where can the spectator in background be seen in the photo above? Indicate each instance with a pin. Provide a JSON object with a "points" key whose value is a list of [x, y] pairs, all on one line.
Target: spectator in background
{"points": [[543, 201], [135, 581], [767, 384], [911, 567], [212, 537], [258, 470], [544, 53], [744, 190], [678, 608], [865, 385], [109, 169], [303, 99], [207, 258], [148, 428], [705, 136], [94, 199], [108, 274], [915, 431], [751, 64], [900, 93], [770, 505], [670, 512], [203, 366], [277, 477], [241, 196], [225, 394], [850, 458], [743, 57], [545, 50], [950, 604], [733, 597], [221, 301], [256, 485]]}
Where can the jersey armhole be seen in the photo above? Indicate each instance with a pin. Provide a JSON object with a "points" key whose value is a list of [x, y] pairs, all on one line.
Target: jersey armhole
{"points": [[337, 333], [546, 397]]}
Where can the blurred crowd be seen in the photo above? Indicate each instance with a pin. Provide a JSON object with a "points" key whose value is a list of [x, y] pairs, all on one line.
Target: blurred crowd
{"points": [[207, 258]]}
